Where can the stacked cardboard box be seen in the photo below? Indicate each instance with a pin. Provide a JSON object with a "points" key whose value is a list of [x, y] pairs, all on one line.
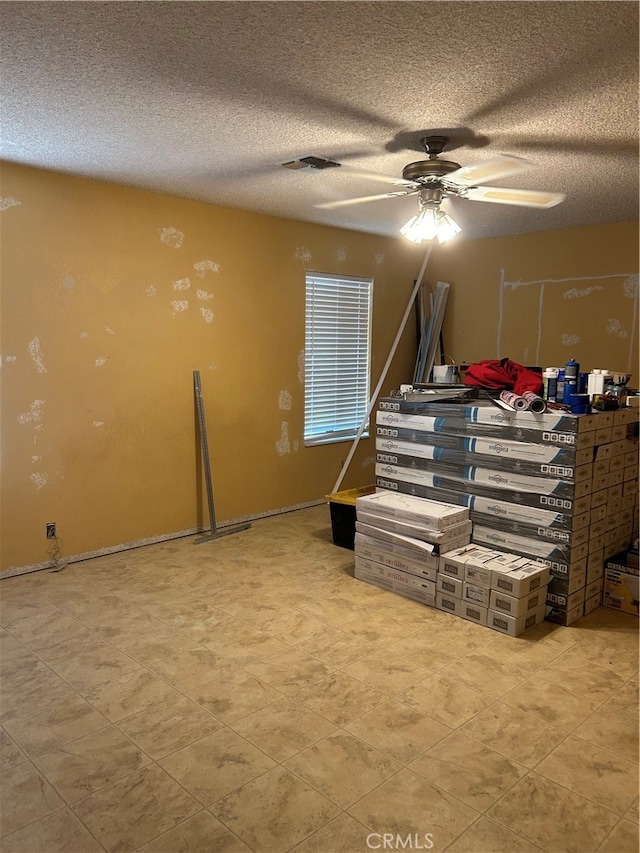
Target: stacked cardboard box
{"points": [[505, 592], [622, 582], [398, 541], [556, 488]]}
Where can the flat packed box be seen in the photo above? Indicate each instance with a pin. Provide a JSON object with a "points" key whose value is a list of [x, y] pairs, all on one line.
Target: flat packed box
{"points": [[448, 585], [526, 546], [573, 537], [435, 515], [425, 484], [567, 585], [474, 613], [564, 617], [418, 549], [533, 516], [514, 625], [487, 477], [396, 581], [486, 412], [395, 425], [516, 606], [519, 578], [565, 602], [388, 555], [415, 529]]}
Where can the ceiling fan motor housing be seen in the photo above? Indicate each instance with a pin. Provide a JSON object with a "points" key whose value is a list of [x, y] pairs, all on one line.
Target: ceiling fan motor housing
{"points": [[429, 169]]}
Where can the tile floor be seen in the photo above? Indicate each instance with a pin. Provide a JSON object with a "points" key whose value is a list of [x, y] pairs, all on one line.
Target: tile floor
{"points": [[249, 694]]}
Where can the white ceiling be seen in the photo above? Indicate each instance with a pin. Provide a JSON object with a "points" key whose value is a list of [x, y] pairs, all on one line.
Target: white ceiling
{"points": [[206, 100]]}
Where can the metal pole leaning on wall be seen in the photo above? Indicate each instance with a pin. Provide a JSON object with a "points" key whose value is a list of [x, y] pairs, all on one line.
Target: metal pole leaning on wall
{"points": [[204, 447], [385, 369]]}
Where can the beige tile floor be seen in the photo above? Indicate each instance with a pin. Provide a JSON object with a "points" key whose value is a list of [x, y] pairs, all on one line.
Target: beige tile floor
{"points": [[249, 694]]}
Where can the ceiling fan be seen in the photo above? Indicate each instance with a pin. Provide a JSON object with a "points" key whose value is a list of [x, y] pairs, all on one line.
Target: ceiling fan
{"points": [[434, 179]]}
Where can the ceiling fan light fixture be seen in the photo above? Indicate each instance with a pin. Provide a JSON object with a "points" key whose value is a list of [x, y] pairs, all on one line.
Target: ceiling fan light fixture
{"points": [[429, 223]]}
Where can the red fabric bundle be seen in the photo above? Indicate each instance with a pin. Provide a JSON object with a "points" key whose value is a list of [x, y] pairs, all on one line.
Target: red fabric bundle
{"points": [[503, 374]]}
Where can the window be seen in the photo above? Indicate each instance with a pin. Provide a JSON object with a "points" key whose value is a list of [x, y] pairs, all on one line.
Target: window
{"points": [[337, 356]]}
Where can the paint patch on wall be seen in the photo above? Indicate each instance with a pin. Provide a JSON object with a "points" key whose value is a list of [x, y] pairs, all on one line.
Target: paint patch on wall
{"points": [[182, 284], [36, 355], [341, 254], [570, 340], [284, 400], [84, 335], [8, 201], [35, 459], [301, 367], [171, 237], [207, 314], [578, 293], [179, 305], [98, 423], [379, 258], [204, 294], [102, 359], [283, 446], [35, 413], [302, 253], [151, 291], [630, 286], [213, 367], [10, 359], [68, 282], [109, 330], [39, 479], [615, 327], [368, 461], [296, 445], [203, 267]]}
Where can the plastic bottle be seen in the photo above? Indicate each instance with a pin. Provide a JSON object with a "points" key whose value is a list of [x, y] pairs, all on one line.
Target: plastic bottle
{"points": [[550, 380], [571, 371], [560, 385]]}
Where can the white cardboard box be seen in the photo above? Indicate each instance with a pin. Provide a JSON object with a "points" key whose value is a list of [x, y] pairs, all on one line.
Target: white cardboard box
{"points": [[448, 585], [521, 580], [476, 594], [453, 562], [432, 514], [393, 558], [416, 530], [395, 581], [477, 572], [474, 613], [448, 603], [516, 606], [514, 625]]}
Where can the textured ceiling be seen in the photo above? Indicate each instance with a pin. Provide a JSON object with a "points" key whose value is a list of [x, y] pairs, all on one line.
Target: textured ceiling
{"points": [[206, 100]]}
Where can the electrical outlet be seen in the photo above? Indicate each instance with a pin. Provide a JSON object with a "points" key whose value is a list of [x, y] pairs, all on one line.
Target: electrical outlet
{"points": [[51, 530]]}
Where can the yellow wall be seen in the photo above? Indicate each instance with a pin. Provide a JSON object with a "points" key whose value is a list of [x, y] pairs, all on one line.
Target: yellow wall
{"points": [[99, 430], [98, 419], [545, 297]]}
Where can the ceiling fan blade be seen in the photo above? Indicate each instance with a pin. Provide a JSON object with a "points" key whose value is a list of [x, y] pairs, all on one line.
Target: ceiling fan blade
{"points": [[330, 205], [490, 170], [524, 198], [377, 176]]}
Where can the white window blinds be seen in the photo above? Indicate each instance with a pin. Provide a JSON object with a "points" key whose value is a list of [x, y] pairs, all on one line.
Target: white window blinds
{"points": [[337, 356]]}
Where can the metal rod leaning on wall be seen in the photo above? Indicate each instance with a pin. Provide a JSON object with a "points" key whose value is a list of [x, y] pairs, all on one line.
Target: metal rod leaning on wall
{"points": [[385, 369], [204, 447]]}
